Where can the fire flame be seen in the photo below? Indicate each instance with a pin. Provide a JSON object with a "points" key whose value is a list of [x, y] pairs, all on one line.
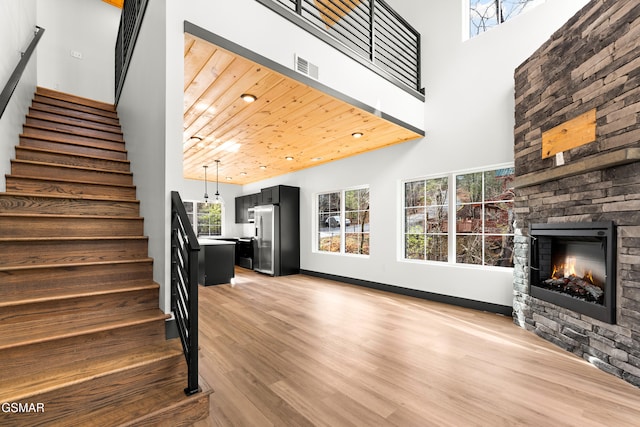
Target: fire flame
{"points": [[568, 269]]}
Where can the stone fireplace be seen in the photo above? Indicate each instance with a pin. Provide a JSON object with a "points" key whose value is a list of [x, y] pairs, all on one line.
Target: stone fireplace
{"points": [[577, 163]]}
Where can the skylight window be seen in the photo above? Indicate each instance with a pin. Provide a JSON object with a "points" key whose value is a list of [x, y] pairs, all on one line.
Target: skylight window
{"points": [[486, 14]]}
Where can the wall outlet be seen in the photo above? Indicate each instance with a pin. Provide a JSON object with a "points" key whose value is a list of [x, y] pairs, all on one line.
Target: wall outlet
{"points": [[76, 54]]}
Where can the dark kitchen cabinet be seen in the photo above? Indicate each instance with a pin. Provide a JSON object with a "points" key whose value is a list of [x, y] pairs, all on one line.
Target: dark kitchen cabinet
{"points": [[270, 196]]}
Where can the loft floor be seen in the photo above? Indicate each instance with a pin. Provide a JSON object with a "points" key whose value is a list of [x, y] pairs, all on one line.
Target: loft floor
{"points": [[303, 351]]}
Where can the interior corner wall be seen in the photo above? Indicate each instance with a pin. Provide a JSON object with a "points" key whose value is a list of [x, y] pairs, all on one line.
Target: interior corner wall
{"points": [[17, 26], [142, 111], [88, 29]]}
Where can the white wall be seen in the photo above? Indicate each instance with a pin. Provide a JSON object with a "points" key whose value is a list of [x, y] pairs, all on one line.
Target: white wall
{"points": [[17, 26], [469, 116], [89, 27]]}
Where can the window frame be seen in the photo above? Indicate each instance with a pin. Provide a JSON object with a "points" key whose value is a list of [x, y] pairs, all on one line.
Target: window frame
{"points": [[467, 27], [193, 217], [342, 230], [452, 233]]}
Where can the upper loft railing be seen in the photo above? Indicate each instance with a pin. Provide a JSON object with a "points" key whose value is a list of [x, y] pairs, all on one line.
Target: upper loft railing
{"points": [[369, 31], [11, 85], [184, 287], [130, 22]]}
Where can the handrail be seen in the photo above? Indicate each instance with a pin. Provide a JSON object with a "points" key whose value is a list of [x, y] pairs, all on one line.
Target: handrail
{"points": [[184, 287], [130, 22], [11, 85]]}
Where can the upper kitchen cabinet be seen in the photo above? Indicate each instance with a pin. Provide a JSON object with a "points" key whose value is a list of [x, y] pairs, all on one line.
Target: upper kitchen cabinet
{"points": [[276, 195]]}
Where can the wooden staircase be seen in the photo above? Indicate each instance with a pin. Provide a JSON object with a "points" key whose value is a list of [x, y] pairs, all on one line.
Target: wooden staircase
{"points": [[81, 334]]}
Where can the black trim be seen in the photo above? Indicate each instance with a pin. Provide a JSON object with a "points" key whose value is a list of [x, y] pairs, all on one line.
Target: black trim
{"points": [[220, 41], [12, 83], [446, 299], [302, 23]]}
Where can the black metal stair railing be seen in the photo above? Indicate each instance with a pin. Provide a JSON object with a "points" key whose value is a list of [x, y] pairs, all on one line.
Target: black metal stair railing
{"points": [[184, 286], [12, 83], [370, 28], [130, 23]]}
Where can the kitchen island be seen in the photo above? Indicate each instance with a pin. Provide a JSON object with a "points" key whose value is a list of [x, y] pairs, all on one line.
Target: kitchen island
{"points": [[216, 261]]}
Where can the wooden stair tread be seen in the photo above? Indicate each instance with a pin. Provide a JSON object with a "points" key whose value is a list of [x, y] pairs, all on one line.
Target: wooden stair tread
{"points": [[87, 156], [44, 106], [75, 99], [8, 268], [70, 167], [73, 181], [19, 389], [70, 196], [42, 114], [81, 291], [51, 138], [68, 239], [51, 328], [36, 215], [27, 127]]}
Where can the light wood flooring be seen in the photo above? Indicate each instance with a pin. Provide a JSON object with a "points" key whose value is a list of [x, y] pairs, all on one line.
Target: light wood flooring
{"points": [[302, 351]]}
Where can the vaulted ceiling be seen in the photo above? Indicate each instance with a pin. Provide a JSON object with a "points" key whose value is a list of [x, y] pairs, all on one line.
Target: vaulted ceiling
{"points": [[290, 126]]}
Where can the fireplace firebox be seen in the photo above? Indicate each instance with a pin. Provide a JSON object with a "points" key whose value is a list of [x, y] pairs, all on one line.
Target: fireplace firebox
{"points": [[573, 265]]}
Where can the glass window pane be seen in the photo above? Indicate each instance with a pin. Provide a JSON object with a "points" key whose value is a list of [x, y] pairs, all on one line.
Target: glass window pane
{"points": [[498, 185], [498, 218], [437, 219], [328, 242], [357, 243], [414, 193], [415, 220], [498, 251], [414, 246], [437, 247], [437, 191], [469, 188], [469, 249], [209, 218], [469, 219]]}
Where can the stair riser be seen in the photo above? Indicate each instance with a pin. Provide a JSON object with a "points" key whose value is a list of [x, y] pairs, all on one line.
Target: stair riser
{"points": [[62, 206], [67, 252], [27, 185], [71, 402], [69, 227], [71, 148], [74, 107], [54, 172], [109, 306], [69, 160], [69, 137], [22, 282], [73, 129], [94, 118], [63, 351], [76, 100], [73, 121]]}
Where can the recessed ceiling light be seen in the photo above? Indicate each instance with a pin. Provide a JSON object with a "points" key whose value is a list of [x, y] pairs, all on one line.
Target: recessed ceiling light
{"points": [[316, 159], [243, 174], [194, 139], [247, 97], [263, 167], [357, 134], [288, 158], [229, 178]]}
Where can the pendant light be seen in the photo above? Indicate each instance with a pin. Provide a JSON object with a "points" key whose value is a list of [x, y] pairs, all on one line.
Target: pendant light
{"points": [[206, 195], [217, 199]]}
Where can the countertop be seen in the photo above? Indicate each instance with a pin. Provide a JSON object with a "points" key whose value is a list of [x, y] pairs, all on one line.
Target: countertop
{"points": [[213, 242]]}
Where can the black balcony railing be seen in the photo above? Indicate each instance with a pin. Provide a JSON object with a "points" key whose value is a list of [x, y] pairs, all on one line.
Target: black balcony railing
{"points": [[369, 28], [130, 22], [184, 287]]}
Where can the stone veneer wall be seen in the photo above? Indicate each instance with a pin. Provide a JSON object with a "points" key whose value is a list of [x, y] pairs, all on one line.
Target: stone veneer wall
{"points": [[591, 62]]}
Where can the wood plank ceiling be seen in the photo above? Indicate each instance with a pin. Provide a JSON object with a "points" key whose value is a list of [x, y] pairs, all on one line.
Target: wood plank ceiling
{"points": [[291, 126]]}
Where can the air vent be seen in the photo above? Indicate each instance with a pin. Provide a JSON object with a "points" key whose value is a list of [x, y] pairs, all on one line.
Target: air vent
{"points": [[305, 67]]}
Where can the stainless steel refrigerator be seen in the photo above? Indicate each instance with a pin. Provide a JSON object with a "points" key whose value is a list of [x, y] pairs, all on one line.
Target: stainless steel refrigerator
{"points": [[267, 239]]}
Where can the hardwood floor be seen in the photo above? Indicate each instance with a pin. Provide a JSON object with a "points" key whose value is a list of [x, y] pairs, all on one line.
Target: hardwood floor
{"points": [[302, 351]]}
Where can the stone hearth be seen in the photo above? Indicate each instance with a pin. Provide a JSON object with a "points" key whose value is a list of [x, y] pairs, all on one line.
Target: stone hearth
{"points": [[591, 64]]}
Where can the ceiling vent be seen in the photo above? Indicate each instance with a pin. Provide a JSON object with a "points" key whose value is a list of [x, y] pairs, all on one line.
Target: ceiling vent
{"points": [[305, 67]]}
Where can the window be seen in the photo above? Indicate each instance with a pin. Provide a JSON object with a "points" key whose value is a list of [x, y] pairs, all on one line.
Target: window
{"points": [[486, 14], [343, 221], [205, 218], [484, 218], [482, 232], [426, 219]]}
